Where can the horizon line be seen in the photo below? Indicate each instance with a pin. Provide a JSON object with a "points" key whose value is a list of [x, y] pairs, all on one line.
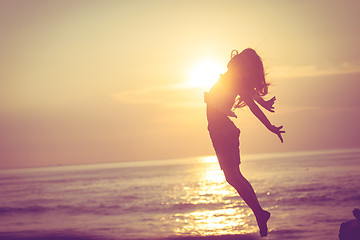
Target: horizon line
{"points": [[174, 161]]}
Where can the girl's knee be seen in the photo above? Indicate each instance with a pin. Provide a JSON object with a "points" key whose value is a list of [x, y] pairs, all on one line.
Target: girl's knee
{"points": [[230, 180], [233, 178]]}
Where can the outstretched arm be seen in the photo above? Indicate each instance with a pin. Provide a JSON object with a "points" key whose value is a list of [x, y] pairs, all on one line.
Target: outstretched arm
{"points": [[261, 116], [268, 105]]}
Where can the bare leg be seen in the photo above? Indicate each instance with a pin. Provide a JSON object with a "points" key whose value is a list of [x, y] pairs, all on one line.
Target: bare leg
{"points": [[243, 187]]}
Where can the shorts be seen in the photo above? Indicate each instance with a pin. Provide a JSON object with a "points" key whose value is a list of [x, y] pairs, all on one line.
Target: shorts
{"points": [[225, 139]]}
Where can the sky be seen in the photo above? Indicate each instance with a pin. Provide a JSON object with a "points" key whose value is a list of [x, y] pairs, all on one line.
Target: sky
{"points": [[109, 81]]}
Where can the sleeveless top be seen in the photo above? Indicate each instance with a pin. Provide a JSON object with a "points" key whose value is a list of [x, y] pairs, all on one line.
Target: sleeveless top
{"points": [[219, 107]]}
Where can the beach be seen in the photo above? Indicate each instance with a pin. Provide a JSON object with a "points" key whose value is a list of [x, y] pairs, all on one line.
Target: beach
{"points": [[84, 236], [309, 195]]}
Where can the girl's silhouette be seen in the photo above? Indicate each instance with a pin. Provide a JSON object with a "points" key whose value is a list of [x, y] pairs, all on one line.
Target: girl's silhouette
{"points": [[242, 85]]}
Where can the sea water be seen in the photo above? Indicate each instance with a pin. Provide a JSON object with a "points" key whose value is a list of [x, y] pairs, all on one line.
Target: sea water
{"points": [[309, 195]]}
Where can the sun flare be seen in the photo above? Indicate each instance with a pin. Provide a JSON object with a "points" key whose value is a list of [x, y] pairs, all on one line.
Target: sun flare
{"points": [[205, 73]]}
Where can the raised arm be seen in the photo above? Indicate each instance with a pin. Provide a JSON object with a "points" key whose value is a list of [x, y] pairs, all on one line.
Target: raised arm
{"points": [[261, 116], [268, 105]]}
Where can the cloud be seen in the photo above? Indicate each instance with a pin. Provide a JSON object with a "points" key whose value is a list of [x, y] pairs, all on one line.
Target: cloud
{"points": [[288, 72]]}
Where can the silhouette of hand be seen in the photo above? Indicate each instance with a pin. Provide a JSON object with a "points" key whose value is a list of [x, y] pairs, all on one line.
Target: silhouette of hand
{"points": [[269, 104], [278, 131]]}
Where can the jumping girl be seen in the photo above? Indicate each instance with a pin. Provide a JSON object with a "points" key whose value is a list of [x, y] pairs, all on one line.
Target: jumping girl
{"points": [[242, 85]]}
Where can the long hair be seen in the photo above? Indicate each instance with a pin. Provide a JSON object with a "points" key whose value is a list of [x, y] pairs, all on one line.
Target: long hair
{"points": [[248, 67]]}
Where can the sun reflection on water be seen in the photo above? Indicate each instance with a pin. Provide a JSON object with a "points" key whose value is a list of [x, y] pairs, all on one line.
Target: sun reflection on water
{"points": [[214, 207], [209, 159], [214, 222]]}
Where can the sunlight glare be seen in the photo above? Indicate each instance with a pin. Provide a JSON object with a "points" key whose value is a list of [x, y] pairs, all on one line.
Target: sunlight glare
{"points": [[205, 73], [209, 159]]}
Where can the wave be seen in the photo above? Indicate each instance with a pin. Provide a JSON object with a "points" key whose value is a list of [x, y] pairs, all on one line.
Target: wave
{"points": [[111, 209], [30, 209], [216, 237], [192, 207], [73, 210], [46, 235], [305, 200]]}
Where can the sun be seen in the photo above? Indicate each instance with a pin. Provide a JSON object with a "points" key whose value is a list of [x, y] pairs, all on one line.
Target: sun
{"points": [[204, 73]]}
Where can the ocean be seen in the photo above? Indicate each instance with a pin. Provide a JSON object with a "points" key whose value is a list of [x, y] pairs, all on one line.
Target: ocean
{"points": [[309, 195]]}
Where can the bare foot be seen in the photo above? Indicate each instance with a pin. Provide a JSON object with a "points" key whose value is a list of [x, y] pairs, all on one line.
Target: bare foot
{"points": [[262, 219]]}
